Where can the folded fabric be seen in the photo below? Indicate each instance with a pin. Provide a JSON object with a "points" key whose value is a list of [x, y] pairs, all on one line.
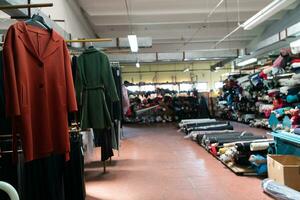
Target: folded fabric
{"points": [[259, 146]]}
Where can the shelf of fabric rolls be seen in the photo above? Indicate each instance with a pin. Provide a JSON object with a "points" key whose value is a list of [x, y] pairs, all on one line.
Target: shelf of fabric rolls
{"points": [[251, 98]]}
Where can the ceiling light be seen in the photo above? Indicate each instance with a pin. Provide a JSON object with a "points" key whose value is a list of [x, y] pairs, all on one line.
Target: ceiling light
{"points": [[247, 62], [186, 70], [137, 65], [133, 43], [268, 11]]}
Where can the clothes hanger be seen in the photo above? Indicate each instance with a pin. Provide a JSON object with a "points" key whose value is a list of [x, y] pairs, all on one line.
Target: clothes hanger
{"points": [[37, 20]]}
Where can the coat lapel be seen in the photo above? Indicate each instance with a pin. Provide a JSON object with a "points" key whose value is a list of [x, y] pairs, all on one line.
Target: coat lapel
{"points": [[52, 45], [24, 37]]}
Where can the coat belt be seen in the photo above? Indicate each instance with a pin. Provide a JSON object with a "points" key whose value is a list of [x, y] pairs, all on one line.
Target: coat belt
{"points": [[98, 87]]}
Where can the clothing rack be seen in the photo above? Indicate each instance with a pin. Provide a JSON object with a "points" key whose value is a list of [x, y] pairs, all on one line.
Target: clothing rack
{"points": [[21, 6], [90, 40]]}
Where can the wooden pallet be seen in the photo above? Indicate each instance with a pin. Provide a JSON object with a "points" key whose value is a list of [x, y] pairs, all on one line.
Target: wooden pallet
{"points": [[237, 169]]}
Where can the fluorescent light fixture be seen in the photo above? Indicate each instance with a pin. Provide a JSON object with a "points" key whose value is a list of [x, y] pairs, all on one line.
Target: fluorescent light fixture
{"points": [[186, 70], [137, 65], [295, 46], [133, 43], [247, 62], [267, 12]]}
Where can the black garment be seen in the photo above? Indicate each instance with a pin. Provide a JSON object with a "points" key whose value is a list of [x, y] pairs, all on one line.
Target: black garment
{"points": [[74, 170], [5, 125], [117, 106], [203, 111], [103, 139], [43, 178]]}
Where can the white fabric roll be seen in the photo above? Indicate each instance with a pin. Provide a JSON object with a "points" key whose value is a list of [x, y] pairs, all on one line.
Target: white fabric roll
{"points": [[243, 79], [259, 146], [10, 190]]}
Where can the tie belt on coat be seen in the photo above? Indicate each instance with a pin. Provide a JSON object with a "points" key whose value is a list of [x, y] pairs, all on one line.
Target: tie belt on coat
{"points": [[97, 87]]}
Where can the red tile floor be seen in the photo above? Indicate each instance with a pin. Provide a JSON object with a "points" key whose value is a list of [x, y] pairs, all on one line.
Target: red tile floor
{"points": [[157, 163]]}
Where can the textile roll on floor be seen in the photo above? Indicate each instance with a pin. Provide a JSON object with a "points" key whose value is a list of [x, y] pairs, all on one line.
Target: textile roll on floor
{"points": [[259, 146], [279, 191]]}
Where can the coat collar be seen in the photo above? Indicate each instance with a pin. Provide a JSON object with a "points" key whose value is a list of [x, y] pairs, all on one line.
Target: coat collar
{"points": [[90, 50], [52, 44]]}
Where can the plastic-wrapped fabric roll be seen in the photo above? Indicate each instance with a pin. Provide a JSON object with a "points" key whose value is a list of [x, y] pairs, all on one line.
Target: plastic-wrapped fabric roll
{"points": [[194, 134], [199, 137], [259, 146], [204, 124], [232, 139], [279, 191], [214, 127]]}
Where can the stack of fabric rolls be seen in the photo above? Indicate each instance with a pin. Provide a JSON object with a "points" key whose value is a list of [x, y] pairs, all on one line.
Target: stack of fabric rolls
{"points": [[238, 148]]}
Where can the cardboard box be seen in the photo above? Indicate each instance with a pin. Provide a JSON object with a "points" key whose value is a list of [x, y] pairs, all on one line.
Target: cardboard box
{"points": [[285, 169]]}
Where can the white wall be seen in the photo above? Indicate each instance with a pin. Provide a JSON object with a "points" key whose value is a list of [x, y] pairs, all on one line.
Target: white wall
{"points": [[69, 11]]}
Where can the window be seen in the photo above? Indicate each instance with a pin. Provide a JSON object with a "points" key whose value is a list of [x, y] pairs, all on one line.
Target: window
{"points": [[201, 87], [168, 86], [147, 88], [185, 86], [218, 85], [133, 88]]}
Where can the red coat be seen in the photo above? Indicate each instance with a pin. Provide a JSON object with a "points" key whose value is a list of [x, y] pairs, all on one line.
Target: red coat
{"points": [[39, 89]]}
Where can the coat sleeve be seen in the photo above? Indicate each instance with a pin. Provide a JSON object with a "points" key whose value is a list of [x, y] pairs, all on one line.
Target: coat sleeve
{"points": [[108, 79], [78, 82], [71, 98], [10, 75]]}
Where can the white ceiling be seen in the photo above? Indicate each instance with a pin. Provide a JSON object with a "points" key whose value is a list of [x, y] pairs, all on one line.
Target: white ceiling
{"points": [[174, 25]]}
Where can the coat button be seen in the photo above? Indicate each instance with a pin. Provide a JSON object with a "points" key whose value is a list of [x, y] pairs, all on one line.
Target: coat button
{"points": [[41, 85]]}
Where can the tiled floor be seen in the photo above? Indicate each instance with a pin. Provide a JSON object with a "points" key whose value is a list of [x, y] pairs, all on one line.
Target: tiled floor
{"points": [[156, 163]]}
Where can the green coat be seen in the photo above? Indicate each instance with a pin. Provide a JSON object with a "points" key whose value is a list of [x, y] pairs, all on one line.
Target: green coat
{"points": [[94, 84]]}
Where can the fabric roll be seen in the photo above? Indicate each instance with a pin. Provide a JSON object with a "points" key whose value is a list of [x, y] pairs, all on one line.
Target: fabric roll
{"points": [[243, 79], [292, 98], [259, 146], [222, 127], [194, 134], [297, 131], [295, 65], [205, 124], [279, 191], [233, 139]]}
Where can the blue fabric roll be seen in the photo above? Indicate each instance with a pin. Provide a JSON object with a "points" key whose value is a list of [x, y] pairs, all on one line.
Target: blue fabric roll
{"points": [[292, 98]]}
